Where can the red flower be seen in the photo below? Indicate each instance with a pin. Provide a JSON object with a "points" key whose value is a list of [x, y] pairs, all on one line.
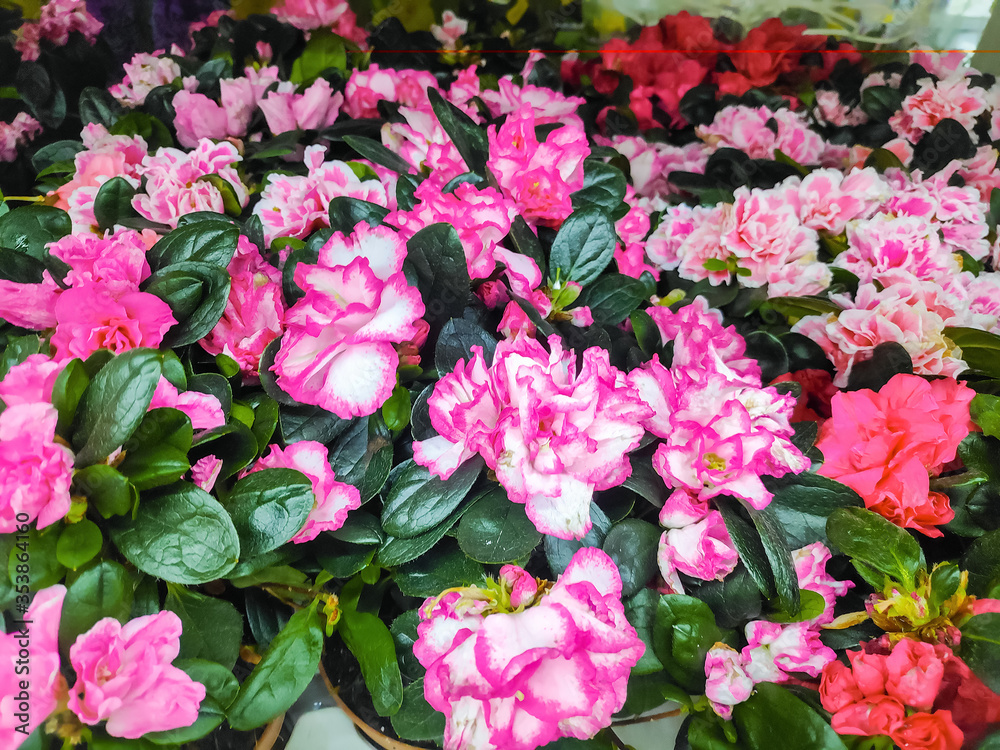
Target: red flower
{"points": [[818, 390], [924, 731], [770, 50]]}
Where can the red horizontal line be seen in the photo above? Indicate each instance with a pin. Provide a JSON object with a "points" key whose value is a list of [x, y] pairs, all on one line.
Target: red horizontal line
{"points": [[674, 51]]}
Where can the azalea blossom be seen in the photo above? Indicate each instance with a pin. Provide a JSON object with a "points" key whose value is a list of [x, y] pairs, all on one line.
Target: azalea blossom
{"points": [[17, 134], [338, 348], [555, 663]]}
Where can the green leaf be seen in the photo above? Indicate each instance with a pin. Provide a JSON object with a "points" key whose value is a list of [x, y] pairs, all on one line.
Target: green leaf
{"points": [[96, 105], [369, 640], [232, 442], [981, 648], [640, 611], [982, 560], [802, 503], [418, 500], [113, 203], [980, 349], [67, 392], [362, 457], [811, 606], [603, 186], [881, 102], [882, 159], [105, 489], [394, 551], [344, 559], [212, 242], [748, 544], [468, 137], [181, 536], [435, 253], [18, 349], [105, 590], [430, 575], [794, 308], [772, 717], [396, 409], [287, 668], [613, 297], [735, 600], [376, 152], [20, 267], [632, 545], [583, 247], [526, 242], [779, 556], [497, 530], [346, 213], [985, 411], [869, 538], [114, 404], [197, 294], [945, 580], [684, 631], [268, 508], [416, 720], [78, 544], [456, 340], [323, 51], [29, 229], [42, 95], [212, 628]]}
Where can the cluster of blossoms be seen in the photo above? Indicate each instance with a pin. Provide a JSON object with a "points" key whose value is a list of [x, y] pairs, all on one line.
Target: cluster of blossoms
{"points": [[58, 19], [775, 652], [917, 694], [720, 431], [553, 431], [16, 134], [886, 446], [124, 675], [522, 662]]}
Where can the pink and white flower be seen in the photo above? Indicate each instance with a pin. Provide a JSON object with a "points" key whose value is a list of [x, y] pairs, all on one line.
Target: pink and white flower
{"points": [[952, 98], [203, 409], [747, 129], [774, 652], [333, 499], [16, 134], [58, 19], [810, 569], [702, 549], [314, 109], [366, 88], [338, 349], [518, 679], [727, 682], [143, 73], [199, 117], [451, 29]]}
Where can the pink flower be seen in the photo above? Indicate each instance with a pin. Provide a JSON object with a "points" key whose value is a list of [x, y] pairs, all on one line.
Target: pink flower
{"points": [[115, 263], [878, 715], [520, 679], [899, 313], [58, 19], [702, 549], [17, 134], [31, 381], [333, 499], [35, 471], [205, 472], [424, 144], [885, 244], [810, 569], [632, 228], [464, 409], [365, 88], [747, 129], [125, 677], [539, 177], [563, 433], [143, 73], [31, 685], [297, 205], [835, 112], [312, 14], [337, 351], [88, 319], [254, 313], [174, 186], [451, 29], [828, 199], [203, 409], [650, 162], [200, 117], [885, 445], [314, 109], [915, 671], [949, 99], [727, 682], [482, 218], [546, 104], [773, 651]]}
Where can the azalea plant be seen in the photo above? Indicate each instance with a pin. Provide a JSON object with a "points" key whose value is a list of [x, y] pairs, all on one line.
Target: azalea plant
{"points": [[511, 396]]}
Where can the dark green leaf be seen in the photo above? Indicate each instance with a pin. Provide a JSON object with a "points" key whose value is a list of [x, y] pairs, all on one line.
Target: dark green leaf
{"points": [[980, 349], [98, 106], [20, 267], [30, 228], [212, 242], [346, 213], [468, 137], [632, 545], [982, 560], [497, 530], [67, 392], [802, 503], [456, 340], [376, 152], [430, 575], [583, 247], [683, 633], [435, 253], [613, 297], [268, 508], [105, 489], [869, 538], [418, 501], [772, 717], [114, 404], [212, 628], [310, 423], [526, 242], [603, 186], [288, 666], [559, 552], [748, 544], [113, 203], [182, 536], [197, 294], [416, 720], [104, 590], [779, 556], [640, 610]]}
